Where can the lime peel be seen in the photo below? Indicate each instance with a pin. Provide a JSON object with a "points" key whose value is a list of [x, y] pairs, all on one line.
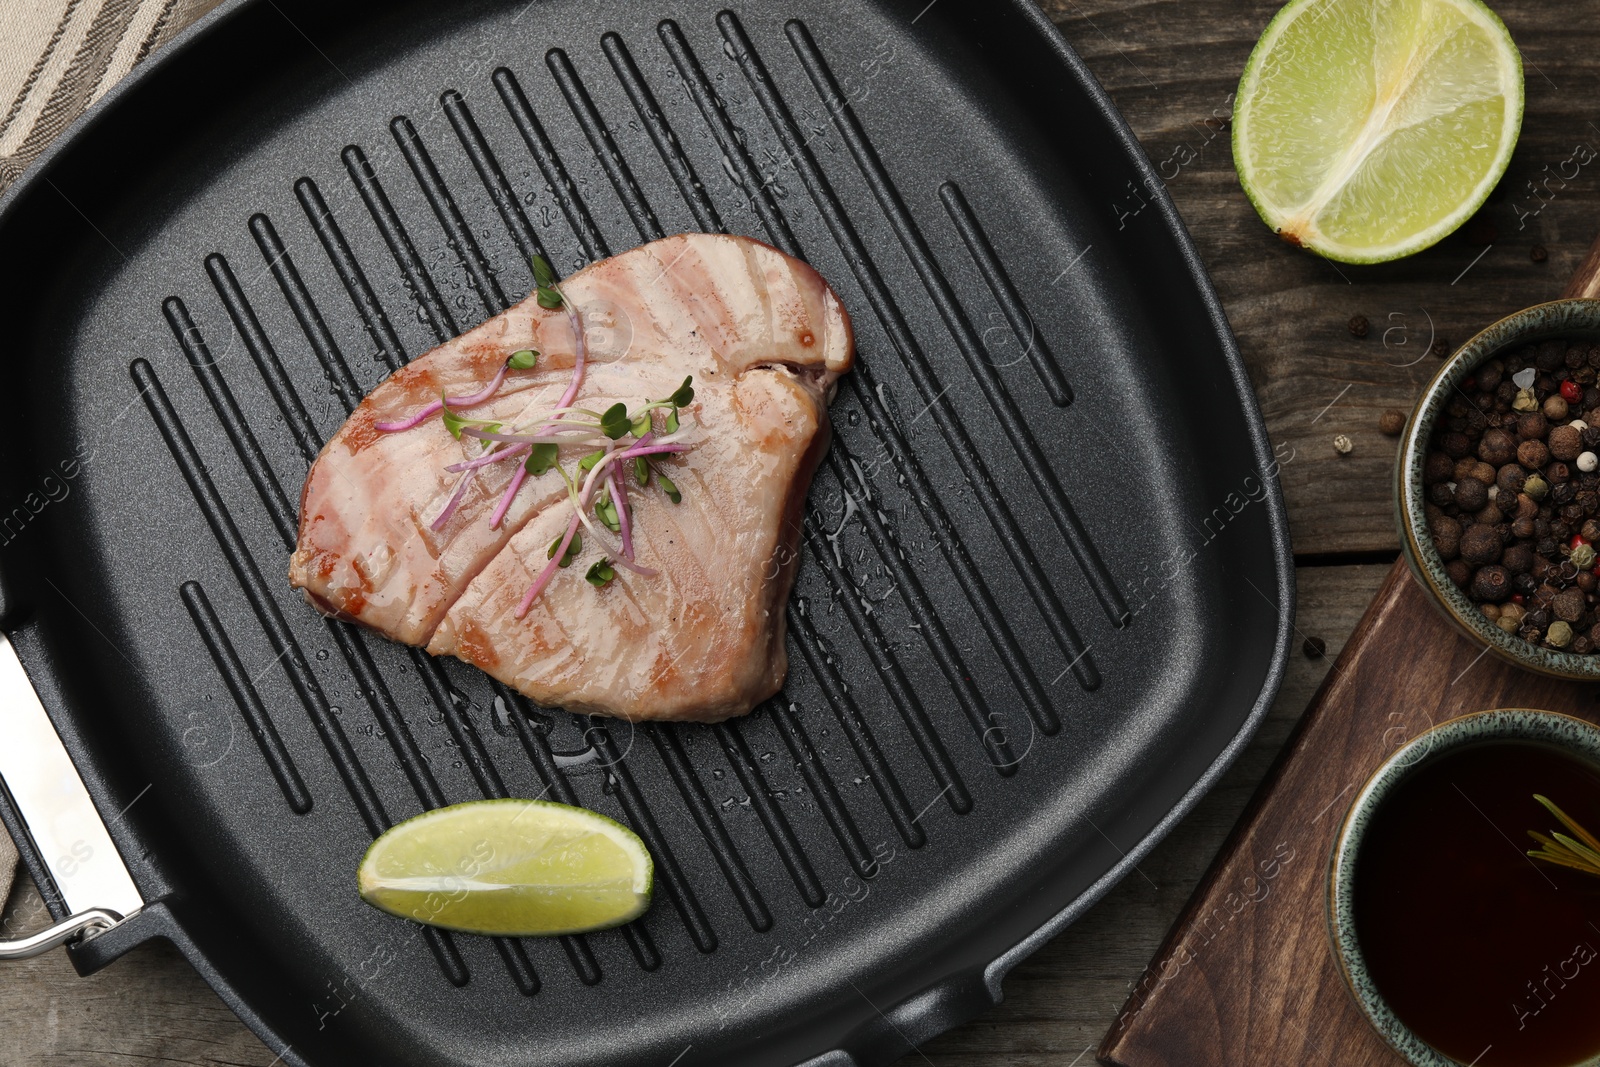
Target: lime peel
{"points": [[1367, 130], [511, 868]]}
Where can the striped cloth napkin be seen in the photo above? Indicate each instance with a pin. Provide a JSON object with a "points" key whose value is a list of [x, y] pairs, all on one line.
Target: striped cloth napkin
{"points": [[59, 56], [56, 58]]}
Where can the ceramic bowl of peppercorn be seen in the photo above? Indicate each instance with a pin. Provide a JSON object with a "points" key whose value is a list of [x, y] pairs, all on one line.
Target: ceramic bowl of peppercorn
{"points": [[1499, 488]]}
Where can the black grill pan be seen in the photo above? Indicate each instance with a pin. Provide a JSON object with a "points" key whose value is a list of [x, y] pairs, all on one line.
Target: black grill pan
{"points": [[1046, 589]]}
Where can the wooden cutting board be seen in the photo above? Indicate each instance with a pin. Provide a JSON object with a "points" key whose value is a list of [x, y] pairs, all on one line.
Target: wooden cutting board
{"points": [[1246, 975]]}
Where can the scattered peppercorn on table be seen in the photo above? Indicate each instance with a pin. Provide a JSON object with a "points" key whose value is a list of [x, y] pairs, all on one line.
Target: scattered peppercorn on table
{"points": [[1335, 353]]}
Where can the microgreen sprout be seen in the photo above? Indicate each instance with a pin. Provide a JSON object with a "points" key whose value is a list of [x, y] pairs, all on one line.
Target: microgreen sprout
{"points": [[541, 457], [544, 277], [597, 485], [453, 422], [605, 509], [574, 549], [615, 422]]}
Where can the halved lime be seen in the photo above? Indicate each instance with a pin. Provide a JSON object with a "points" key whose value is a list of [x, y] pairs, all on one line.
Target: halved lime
{"points": [[515, 868], [1367, 130]]}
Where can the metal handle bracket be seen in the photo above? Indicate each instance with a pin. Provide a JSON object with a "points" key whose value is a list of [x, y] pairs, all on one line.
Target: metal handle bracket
{"points": [[85, 923], [58, 815]]}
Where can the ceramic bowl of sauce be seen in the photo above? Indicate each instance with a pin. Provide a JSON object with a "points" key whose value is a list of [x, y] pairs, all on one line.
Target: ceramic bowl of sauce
{"points": [[1459, 946]]}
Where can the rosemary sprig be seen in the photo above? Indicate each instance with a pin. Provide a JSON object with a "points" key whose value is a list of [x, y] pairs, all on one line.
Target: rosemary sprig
{"points": [[1579, 851]]}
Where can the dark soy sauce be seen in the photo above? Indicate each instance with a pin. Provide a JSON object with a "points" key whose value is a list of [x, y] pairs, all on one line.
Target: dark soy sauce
{"points": [[1489, 956]]}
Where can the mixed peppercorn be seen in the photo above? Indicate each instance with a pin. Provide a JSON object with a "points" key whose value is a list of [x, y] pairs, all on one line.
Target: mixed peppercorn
{"points": [[1513, 494]]}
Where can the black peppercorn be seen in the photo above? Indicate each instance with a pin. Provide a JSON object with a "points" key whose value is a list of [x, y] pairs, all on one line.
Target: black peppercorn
{"points": [[1568, 605], [1509, 478], [1314, 648], [1480, 544], [1517, 558], [1498, 447], [1440, 349], [1447, 537], [1358, 325], [1491, 584], [1538, 253], [1565, 443], [1471, 494]]}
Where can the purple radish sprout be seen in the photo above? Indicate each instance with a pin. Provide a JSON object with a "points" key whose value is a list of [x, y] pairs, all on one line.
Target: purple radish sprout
{"points": [[492, 457], [549, 569], [456, 402], [455, 500]]}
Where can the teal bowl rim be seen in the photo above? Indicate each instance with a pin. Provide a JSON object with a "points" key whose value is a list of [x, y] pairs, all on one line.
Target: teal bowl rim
{"points": [[1558, 318], [1574, 736]]}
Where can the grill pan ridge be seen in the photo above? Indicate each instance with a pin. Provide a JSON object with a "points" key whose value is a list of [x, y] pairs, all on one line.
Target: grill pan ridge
{"points": [[999, 697]]}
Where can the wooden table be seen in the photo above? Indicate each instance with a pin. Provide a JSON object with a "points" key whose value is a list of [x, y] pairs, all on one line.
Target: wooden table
{"points": [[1171, 65]]}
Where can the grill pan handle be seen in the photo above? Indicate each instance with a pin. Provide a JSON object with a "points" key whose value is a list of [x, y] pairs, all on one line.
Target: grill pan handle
{"points": [[56, 821]]}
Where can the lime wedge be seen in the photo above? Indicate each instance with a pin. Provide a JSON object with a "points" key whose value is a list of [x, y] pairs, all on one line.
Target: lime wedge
{"points": [[516, 868], [1367, 130]]}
